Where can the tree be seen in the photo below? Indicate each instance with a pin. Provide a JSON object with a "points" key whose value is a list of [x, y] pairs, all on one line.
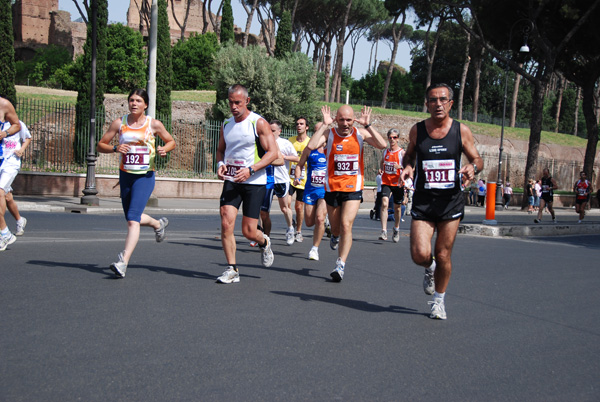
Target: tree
{"points": [[193, 61], [283, 43], [551, 26], [84, 90], [44, 64], [279, 89], [7, 52], [164, 63], [227, 34], [396, 8], [181, 25], [249, 20], [125, 67]]}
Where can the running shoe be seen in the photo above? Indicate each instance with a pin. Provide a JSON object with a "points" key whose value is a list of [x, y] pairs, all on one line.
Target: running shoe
{"points": [[229, 276], [428, 279], [21, 227], [289, 237], [160, 232], [383, 235], [554, 220], [338, 273], [267, 253], [313, 254], [299, 237], [119, 267], [253, 243], [396, 237], [6, 240], [537, 220], [438, 309], [334, 242]]}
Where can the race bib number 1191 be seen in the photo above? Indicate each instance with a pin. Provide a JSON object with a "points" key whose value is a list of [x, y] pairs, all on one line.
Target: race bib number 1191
{"points": [[439, 174]]}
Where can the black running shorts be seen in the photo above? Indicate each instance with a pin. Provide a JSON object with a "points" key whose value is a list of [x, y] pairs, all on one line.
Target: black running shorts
{"points": [[251, 195]]}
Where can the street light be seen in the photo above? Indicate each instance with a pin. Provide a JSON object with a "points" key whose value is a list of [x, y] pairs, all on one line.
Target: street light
{"points": [[523, 49]]}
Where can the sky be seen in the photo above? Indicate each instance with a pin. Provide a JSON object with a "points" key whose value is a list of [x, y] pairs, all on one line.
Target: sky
{"points": [[117, 12]]}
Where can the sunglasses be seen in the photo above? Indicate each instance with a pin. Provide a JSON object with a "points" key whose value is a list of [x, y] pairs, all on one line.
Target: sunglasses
{"points": [[393, 138]]}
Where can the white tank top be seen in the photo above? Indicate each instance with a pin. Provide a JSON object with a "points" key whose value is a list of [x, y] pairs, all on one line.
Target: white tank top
{"points": [[242, 148]]}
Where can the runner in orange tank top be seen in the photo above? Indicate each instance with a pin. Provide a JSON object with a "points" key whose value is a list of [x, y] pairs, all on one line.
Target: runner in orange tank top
{"points": [[345, 170]]}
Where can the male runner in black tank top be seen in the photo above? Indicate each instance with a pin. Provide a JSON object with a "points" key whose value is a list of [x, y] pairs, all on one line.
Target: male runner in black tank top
{"points": [[433, 160]]}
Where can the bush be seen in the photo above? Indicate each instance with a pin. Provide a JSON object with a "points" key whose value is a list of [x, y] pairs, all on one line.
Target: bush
{"points": [[125, 55], [278, 89], [193, 61]]}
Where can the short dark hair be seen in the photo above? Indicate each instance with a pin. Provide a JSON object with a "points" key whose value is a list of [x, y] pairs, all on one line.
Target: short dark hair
{"points": [[276, 122], [237, 88], [301, 118], [440, 85], [139, 92]]}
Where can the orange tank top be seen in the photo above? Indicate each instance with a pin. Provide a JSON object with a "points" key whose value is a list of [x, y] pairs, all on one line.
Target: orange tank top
{"points": [[391, 175], [345, 166]]}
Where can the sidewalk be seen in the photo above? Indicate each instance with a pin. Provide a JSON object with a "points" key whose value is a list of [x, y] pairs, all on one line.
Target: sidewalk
{"points": [[511, 222]]}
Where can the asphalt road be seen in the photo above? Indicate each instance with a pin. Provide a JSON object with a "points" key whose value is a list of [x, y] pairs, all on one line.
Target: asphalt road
{"points": [[523, 321]]}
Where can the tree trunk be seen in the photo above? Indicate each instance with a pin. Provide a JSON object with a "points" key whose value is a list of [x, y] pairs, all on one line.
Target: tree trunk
{"points": [[515, 97], [559, 104], [185, 18], [249, 23], [396, 37], [431, 54], [476, 86], [591, 123], [576, 117], [339, 63], [204, 18], [535, 133], [327, 68], [463, 77]]}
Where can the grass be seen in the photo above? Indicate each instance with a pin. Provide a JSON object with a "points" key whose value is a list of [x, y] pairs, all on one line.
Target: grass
{"points": [[490, 130]]}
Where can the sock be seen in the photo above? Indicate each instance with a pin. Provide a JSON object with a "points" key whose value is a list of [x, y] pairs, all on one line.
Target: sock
{"points": [[233, 266], [315, 248], [5, 232], [264, 244], [437, 295], [290, 229], [21, 220], [342, 263], [431, 268]]}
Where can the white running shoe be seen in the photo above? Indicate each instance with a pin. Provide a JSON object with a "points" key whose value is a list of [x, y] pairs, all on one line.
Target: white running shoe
{"points": [[438, 309], [5, 241], [313, 254], [299, 237], [289, 237], [338, 273], [160, 232], [21, 227], [229, 276], [428, 280], [267, 253], [119, 267], [383, 235], [396, 236]]}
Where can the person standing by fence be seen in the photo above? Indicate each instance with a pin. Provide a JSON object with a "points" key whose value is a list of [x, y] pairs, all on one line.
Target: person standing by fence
{"points": [[10, 126], [137, 148]]}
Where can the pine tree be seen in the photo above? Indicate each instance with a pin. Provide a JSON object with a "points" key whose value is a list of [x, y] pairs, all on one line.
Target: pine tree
{"points": [[7, 52], [227, 34], [84, 91], [283, 43]]}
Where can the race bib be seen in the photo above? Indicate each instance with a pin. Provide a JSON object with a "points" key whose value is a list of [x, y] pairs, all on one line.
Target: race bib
{"points": [[233, 165], [138, 158], [317, 178], [582, 191], [346, 165], [439, 174], [389, 168]]}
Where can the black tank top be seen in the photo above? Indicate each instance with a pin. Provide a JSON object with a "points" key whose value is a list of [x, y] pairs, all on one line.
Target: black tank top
{"points": [[438, 161], [547, 186]]}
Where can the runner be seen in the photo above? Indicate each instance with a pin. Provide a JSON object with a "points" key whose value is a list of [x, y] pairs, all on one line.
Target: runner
{"points": [[10, 126], [315, 210], [582, 189], [137, 148], [433, 160], [278, 183], [299, 142], [391, 167], [345, 173], [547, 197], [246, 148]]}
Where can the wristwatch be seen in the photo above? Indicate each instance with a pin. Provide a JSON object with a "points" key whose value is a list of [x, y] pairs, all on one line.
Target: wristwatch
{"points": [[115, 148], [251, 170], [475, 168]]}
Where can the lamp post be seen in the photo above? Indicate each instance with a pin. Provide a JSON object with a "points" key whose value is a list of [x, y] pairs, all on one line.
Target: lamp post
{"points": [[523, 49]]}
